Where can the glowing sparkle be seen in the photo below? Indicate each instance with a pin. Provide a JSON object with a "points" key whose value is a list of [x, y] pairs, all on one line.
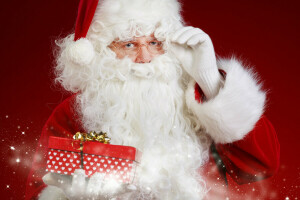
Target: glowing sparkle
{"points": [[23, 133], [18, 160], [287, 198], [7, 186], [253, 189], [6, 116], [19, 127], [12, 148]]}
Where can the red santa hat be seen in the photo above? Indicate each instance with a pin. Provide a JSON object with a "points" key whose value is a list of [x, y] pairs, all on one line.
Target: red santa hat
{"points": [[81, 51], [106, 20]]}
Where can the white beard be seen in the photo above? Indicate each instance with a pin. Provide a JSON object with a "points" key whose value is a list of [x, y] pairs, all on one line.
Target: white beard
{"points": [[142, 105]]}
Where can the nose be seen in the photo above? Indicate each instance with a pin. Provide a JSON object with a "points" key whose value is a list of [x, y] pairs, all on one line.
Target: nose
{"points": [[143, 56]]}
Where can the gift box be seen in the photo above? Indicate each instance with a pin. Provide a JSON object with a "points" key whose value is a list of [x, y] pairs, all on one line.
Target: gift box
{"points": [[113, 161]]}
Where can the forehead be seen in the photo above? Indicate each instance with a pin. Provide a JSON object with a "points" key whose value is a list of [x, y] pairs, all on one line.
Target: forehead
{"points": [[138, 39]]}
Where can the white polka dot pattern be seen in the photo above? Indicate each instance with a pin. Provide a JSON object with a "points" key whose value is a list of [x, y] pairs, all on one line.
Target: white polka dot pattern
{"points": [[65, 162]]}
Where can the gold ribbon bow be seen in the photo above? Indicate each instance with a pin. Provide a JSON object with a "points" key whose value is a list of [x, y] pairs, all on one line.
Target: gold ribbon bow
{"points": [[92, 136]]}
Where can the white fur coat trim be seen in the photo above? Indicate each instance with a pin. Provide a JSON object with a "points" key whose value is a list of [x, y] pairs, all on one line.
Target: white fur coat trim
{"points": [[52, 193], [234, 111]]}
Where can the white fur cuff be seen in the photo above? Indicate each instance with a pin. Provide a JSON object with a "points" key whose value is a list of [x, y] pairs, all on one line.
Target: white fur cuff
{"points": [[234, 111], [52, 193]]}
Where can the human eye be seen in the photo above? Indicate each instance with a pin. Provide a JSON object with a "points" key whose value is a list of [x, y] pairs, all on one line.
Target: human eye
{"points": [[129, 45], [154, 43]]}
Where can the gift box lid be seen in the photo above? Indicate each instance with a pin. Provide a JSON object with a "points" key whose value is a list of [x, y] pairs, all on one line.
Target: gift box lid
{"points": [[95, 148]]}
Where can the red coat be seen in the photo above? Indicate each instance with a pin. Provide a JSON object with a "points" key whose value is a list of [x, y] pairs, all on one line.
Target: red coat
{"points": [[257, 155]]}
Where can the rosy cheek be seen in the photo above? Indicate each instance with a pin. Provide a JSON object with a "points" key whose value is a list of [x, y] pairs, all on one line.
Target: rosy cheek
{"points": [[158, 53], [133, 58], [120, 55]]}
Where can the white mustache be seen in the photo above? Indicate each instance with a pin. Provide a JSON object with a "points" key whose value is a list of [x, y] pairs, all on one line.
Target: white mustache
{"points": [[162, 67]]}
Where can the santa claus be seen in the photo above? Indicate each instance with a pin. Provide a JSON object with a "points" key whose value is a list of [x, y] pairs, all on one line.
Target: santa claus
{"points": [[148, 81]]}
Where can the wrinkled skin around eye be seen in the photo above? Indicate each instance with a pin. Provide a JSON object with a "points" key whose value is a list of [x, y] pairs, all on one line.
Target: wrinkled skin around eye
{"points": [[139, 50]]}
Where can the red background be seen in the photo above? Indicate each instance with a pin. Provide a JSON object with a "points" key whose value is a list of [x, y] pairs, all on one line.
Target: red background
{"points": [[263, 33]]}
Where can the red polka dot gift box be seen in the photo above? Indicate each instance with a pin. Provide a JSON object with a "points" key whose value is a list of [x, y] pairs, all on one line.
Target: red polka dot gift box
{"points": [[113, 161]]}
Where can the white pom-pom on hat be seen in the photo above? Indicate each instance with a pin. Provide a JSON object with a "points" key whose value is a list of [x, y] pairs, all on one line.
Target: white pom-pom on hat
{"points": [[81, 52]]}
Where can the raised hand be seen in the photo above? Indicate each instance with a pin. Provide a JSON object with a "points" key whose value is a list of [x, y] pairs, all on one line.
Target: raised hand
{"points": [[194, 49]]}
